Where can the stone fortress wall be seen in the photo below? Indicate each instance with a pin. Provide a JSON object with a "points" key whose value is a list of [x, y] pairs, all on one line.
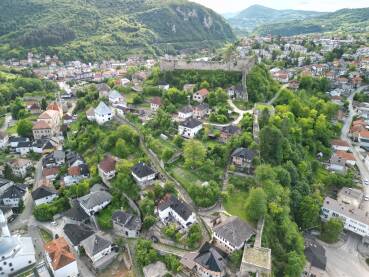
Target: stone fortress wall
{"points": [[242, 65]]}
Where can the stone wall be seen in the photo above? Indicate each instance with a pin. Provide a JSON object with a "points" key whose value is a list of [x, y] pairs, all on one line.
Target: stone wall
{"points": [[240, 65]]}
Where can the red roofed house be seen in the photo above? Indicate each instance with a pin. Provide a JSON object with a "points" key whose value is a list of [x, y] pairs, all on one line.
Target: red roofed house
{"points": [[348, 157], [363, 138], [155, 103], [50, 173], [55, 107], [107, 168], [340, 145], [60, 258], [41, 129], [200, 95]]}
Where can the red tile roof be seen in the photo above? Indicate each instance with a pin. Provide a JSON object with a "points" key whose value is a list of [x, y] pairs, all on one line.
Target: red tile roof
{"points": [[41, 125], [50, 171], [74, 171], [59, 253], [339, 142], [203, 92], [156, 100], [345, 155], [108, 164]]}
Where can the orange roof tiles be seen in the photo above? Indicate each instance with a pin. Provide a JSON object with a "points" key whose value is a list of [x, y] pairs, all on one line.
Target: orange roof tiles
{"points": [[59, 253]]}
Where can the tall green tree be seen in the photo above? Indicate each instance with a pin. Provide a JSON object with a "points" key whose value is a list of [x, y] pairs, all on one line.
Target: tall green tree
{"points": [[331, 230], [271, 145], [194, 153], [256, 204], [24, 128]]}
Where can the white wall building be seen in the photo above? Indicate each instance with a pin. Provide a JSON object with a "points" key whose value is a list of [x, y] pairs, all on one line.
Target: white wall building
{"points": [[16, 253], [189, 128], [171, 207], [354, 219], [103, 113], [95, 201]]}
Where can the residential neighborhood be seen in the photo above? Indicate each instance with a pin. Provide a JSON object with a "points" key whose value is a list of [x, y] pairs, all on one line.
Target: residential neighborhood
{"points": [[246, 160]]}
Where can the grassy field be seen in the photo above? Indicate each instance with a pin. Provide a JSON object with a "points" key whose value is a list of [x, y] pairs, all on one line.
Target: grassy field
{"points": [[235, 204], [185, 177]]}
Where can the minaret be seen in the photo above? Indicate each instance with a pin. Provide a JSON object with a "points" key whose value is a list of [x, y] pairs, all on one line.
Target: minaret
{"points": [[4, 226]]}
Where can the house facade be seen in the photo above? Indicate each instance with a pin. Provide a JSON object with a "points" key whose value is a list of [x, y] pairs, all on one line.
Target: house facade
{"points": [[189, 128], [103, 113], [143, 174], [126, 224]]}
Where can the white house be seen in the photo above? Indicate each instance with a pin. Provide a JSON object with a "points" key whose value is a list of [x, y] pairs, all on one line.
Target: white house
{"points": [[232, 234], [107, 168], [96, 247], [116, 98], [17, 253], [363, 138], [76, 233], [125, 82], [13, 196], [163, 85], [60, 258], [171, 207], [43, 195], [20, 166], [185, 113], [189, 128], [95, 201], [103, 113], [200, 95], [14, 141], [155, 103], [143, 174], [23, 148], [4, 139], [354, 219], [340, 145]]}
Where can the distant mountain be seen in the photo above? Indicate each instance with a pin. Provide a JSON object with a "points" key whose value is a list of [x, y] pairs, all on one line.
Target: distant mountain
{"points": [[348, 20], [101, 29], [257, 15]]}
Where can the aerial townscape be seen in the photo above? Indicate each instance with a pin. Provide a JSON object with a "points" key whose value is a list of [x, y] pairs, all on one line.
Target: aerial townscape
{"points": [[157, 138]]}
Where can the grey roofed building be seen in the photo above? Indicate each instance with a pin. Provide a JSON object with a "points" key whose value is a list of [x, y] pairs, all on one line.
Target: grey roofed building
{"points": [[231, 129], [190, 123], [14, 191], [102, 108], [113, 94], [129, 221], [142, 170], [157, 269], [95, 244], [71, 157], [211, 258], [180, 207], [77, 233], [94, 199], [103, 87], [235, 231], [42, 192], [244, 153], [186, 109], [315, 253], [76, 213]]}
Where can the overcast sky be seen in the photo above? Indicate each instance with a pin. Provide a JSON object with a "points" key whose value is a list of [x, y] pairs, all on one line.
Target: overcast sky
{"points": [[225, 6]]}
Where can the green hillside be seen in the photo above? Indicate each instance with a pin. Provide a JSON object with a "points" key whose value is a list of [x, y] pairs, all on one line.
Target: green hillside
{"points": [[347, 20], [257, 15], [97, 29]]}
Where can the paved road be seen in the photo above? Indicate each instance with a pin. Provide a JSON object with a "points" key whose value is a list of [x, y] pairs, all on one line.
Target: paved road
{"points": [[345, 261], [235, 109], [345, 136], [8, 119]]}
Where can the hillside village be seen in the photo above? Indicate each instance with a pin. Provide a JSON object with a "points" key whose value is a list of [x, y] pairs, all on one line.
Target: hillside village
{"points": [[127, 168]]}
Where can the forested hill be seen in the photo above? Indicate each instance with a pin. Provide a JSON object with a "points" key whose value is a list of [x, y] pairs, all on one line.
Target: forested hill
{"points": [[257, 15], [348, 20], [96, 29]]}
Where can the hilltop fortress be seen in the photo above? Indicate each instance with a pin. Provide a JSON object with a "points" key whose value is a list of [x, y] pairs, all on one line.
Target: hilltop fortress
{"points": [[243, 65]]}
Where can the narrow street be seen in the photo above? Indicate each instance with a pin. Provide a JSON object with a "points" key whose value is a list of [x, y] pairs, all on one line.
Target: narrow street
{"points": [[345, 136]]}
